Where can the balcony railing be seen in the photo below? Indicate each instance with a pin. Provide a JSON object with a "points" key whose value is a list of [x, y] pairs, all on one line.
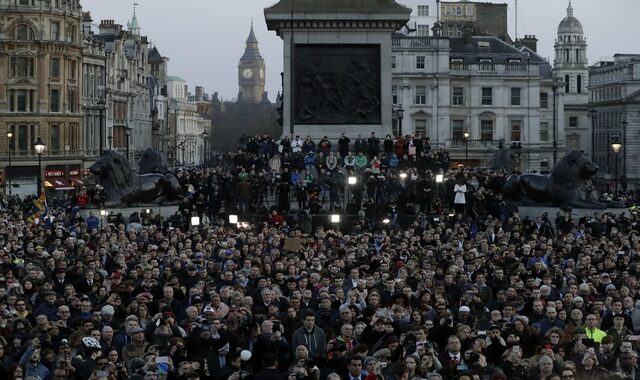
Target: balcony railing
{"points": [[473, 144], [504, 69], [27, 155], [416, 42]]}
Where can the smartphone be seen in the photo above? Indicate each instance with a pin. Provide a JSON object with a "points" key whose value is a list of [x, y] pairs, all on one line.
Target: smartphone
{"points": [[162, 359], [588, 342], [633, 338], [482, 332], [102, 374]]}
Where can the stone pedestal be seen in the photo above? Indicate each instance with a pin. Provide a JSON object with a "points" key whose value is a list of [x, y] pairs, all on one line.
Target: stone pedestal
{"points": [[337, 64]]}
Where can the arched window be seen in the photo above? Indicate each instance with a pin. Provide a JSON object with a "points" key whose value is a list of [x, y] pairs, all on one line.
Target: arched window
{"points": [[24, 32]]}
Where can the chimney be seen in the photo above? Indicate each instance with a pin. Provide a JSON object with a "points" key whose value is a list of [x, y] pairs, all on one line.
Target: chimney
{"points": [[530, 41], [86, 23]]}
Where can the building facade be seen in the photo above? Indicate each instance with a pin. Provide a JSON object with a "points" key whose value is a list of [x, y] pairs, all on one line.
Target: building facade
{"points": [[481, 85], [251, 72], [40, 91], [186, 126], [614, 95]]}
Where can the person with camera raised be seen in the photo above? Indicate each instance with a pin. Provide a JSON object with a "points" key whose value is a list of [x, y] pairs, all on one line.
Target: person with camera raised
{"points": [[271, 340]]}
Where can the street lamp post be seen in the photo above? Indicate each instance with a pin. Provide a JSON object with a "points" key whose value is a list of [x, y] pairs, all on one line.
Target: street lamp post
{"points": [[616, 146], [400, 116], [624, 154], [205, 141], [466, 135], [127, 133], [39, 147], [592, 113], [557, 82], [110, 138], [101, 107], [10, 147]]}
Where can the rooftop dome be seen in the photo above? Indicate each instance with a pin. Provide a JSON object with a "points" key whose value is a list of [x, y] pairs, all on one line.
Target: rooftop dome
{"points": [[570, 24]]}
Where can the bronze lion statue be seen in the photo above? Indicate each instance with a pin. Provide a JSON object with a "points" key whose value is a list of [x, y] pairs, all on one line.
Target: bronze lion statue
{"points": [[122, 186], [564, 187], [152, 161]]}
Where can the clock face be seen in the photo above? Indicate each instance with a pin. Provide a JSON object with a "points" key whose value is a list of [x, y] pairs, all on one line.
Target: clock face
{"points": [[247, 73], [261, 74]]}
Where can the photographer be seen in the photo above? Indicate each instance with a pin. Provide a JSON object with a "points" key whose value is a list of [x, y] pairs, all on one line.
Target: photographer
{"points": [[208, 345], [271, 341]]}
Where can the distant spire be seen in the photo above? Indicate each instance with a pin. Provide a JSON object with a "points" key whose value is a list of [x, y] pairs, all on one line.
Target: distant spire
{"points": [[252, 36], [569, 10]]}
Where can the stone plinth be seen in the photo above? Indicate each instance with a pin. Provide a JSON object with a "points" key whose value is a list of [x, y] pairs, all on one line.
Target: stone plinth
{"points": [[337, 64]]}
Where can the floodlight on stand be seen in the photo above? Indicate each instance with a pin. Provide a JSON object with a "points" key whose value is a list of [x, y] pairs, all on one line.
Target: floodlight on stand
{"points": [[103, 212], [148, 211], [352, 180], [386, 221], [195, 220], [439, 178], [233, 219], [403, 175], [335, 218], [243, 224]]}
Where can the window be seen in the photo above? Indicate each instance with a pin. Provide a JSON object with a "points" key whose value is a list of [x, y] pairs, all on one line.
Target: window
{"points": [[458, 96], [567, 84], [55, 138], [450, 30], [566, 55], [577, 55], [55, 101], [459, 30], [423, 30], [73, 70], [486, 130], [573, 122], [579, 84], [516, 129], [458, 10], [469, 10], [72, 101], [394, 94], [423, 10], [544, 100], [22, 67], [544, 131], [22, 100], [420, 62], [55, 31], [22, 137], [515, 96], [457, 130], [54, 69], [487, 96], [420, 127], [421, 95], [23, 32], [393, 61]]}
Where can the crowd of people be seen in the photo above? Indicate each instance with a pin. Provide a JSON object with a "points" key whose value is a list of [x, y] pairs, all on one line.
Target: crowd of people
{"points": [[466, 290]]}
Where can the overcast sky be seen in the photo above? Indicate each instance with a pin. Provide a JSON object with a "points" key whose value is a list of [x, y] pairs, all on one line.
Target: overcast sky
{"points": [[204, 39]]}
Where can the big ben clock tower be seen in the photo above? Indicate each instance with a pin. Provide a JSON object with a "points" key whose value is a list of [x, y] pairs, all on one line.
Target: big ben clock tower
{"points": [[251, 73]]}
